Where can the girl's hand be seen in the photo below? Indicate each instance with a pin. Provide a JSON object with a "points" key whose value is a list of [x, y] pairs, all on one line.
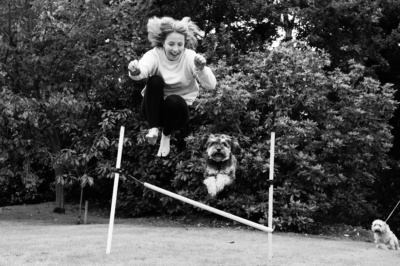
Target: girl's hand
{"points": [[199, 62], [133, 67]]}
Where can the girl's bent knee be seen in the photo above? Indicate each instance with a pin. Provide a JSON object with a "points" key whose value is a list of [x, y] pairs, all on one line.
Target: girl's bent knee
{"points": [[175, 100], [155, 82]]}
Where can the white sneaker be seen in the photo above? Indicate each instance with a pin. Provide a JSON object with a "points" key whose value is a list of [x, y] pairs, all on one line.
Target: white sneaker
{"points": [[152, 136]]}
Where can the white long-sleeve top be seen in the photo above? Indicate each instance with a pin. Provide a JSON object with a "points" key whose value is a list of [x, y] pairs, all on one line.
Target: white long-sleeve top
{"points": [[179, 76]]}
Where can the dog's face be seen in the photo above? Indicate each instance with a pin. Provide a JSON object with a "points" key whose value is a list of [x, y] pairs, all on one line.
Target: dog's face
{"points": [[220, 147], [220, 164], [379, 226], [383, 236]]}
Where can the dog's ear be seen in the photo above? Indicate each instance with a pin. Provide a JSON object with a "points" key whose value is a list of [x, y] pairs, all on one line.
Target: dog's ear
{"points": [[236, 149], [205, 140]]}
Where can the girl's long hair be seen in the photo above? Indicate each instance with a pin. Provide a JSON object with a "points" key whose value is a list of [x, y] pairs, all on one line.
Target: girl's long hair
{"points": [[159, 28]]}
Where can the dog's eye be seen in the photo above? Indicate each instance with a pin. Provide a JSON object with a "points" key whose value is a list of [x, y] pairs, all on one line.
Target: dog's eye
{"points": [[226, 144]]}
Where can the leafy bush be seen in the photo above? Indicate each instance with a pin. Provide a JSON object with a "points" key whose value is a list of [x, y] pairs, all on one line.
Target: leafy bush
{"points": [[63, 63], [332, 135]]}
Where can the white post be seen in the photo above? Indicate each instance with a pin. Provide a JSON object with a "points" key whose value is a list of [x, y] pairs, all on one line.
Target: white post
{"points": [[115, 191], [271, 194], [86, 212]]}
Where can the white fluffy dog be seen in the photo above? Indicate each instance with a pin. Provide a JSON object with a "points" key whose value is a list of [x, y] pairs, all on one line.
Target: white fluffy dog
{"points": [[384, 237]]}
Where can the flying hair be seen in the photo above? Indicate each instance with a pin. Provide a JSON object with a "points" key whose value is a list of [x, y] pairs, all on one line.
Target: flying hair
{"points": [[159, 28]]}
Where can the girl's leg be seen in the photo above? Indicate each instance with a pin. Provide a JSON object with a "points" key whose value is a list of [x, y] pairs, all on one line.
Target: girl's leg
{"points": [[175, 113], [152, 106], [175, 116]]}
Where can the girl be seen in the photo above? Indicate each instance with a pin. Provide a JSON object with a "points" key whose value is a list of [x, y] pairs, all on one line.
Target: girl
{"points": [[173, 70]]}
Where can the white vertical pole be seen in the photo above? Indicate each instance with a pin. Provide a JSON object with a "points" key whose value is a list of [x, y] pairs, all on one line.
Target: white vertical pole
{"points": [[86, 212], [271, 194], [115, 191]]}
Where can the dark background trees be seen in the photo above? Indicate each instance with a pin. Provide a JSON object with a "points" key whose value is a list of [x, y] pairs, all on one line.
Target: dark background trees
{"points": [[65, 93]]}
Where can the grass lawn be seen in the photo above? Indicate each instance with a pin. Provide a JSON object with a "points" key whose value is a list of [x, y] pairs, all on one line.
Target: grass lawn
{"points": [[33, 235]]}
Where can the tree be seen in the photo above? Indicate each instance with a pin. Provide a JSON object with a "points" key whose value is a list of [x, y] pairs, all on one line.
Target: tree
{"points": [[325, 147], [230, 27], [369, 33], [61, 64]]}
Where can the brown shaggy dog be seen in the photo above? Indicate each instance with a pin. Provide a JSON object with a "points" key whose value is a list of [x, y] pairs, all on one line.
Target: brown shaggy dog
{"points": [[220, 162]]}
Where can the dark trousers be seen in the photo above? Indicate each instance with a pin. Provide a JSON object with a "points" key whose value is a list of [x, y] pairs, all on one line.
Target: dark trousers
{"points": [[171, 113]]}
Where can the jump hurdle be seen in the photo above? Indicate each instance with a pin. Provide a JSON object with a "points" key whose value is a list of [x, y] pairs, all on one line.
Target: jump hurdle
{"points": [[268, 229]]}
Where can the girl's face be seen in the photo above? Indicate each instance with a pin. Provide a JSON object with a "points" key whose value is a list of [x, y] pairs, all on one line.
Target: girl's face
{"points": [[174, 45]]}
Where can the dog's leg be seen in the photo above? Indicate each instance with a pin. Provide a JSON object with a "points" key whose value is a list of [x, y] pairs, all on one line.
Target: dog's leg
{"points": [[382, 246], [222, 181], [393, 244], [211, 185]]}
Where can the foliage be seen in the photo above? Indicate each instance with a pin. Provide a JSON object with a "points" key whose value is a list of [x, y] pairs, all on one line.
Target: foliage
{"points": [[65, 94], [348, 30], [328, 151], [368, 32], [62, 63], [230, 27]]}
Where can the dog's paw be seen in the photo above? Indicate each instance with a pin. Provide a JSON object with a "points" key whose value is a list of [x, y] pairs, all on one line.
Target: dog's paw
{"points": [[211, 185], [222, 181], [382, 246]]}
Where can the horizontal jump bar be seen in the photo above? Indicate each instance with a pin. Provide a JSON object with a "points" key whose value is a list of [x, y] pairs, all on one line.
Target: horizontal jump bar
{"points": [[210, 209]]}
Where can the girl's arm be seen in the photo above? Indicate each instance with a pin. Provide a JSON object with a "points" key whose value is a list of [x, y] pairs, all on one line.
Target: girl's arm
{"points": [[143, 68], [206, 78], [203, 73]]}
